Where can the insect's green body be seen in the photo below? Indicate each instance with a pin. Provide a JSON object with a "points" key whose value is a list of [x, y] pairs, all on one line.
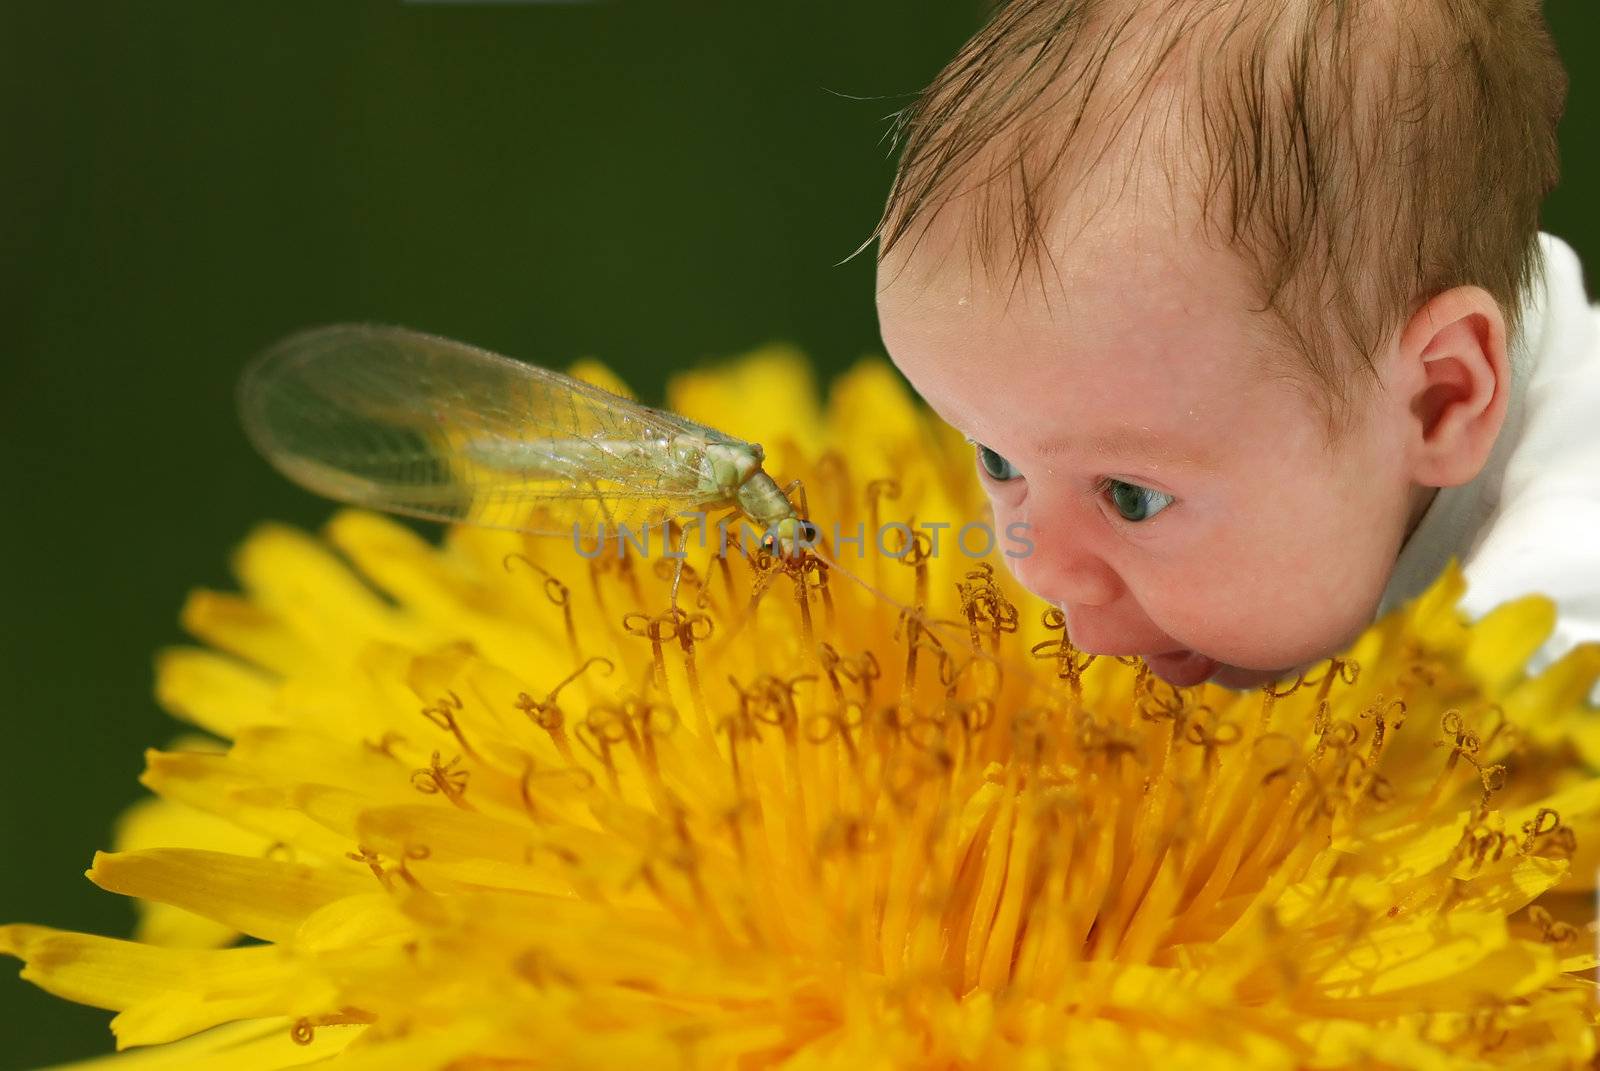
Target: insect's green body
{"points": [[405, 422]]}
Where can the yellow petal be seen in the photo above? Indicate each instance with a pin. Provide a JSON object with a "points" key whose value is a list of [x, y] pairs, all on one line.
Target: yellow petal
{"points": [[1462, 945], [253, 1045], [106, 973], [304, 584], [265, 898], [158, 823], [213, 785], [770, 395], [598, 374], [239, 627], [1504, 639], [215, 692]]}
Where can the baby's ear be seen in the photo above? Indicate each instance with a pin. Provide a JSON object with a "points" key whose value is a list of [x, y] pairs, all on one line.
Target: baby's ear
{"points": [[1455, 373]]}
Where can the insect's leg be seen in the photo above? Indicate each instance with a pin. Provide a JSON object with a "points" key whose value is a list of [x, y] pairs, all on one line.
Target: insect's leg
{"points": [[720, 554], [677, 570], [796, 487], [722, 533]]}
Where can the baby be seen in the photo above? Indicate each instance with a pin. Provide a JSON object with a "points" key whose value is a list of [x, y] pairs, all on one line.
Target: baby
{"points": [[1245, 309]]}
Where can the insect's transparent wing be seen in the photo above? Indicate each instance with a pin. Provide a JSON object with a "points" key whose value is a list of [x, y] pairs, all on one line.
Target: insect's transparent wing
{"points": [[396, 420]]}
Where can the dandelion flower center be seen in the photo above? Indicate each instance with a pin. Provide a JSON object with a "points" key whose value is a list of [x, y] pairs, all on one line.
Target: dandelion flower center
{"points": [[497, 805]]}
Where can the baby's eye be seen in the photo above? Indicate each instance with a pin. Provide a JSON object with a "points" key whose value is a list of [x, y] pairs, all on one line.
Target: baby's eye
{"points": [[1134, 503], [996, 466]]}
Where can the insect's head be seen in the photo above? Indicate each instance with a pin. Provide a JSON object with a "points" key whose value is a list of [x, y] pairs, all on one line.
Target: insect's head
{"points": [[790, 537]]}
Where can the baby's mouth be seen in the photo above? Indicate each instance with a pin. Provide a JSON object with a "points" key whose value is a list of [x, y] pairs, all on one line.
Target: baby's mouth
{"points": [[1182, 669]]}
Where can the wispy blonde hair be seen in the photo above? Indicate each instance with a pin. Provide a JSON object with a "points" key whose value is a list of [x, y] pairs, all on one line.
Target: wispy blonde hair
{"points": [[1359, 155]]}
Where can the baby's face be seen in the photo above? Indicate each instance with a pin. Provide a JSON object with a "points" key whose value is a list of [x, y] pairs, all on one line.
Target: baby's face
{"points": [[1180, 499]]}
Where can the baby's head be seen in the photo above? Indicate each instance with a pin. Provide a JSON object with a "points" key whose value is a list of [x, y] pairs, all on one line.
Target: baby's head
{"points": [[1222, 292]]}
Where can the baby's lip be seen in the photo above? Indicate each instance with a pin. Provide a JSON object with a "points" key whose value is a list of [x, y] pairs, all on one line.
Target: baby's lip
{"points": [[1183, 668]]}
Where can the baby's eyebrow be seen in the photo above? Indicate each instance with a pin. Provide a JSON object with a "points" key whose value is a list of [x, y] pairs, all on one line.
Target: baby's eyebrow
{"points": [[1140, 444]]}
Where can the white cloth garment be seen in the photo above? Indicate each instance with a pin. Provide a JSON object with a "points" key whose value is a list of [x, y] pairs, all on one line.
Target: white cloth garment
{"points": [[1530, 522]]}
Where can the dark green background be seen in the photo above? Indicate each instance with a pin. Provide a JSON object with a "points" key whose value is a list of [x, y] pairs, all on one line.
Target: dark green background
{"points": [[181, 184]]}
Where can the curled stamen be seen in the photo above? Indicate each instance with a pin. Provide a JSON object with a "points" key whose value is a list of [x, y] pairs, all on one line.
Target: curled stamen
{"points": [[690, 629], [1493, 779], [303, 1030], [984, 604], [887, 488], [767, 568], [797, 569], [1272, 693], [1353, 775], [543, 713], [1423, 672], [443, 714], [919, 548], [1547, 820], [658, 629], [1104, 738], [910, 627], [1339, 669], [651, 719], [823, 726], [1319, 797], [1383, 718], [914, 544], [861, 670], [1224, 735], [1152, 705], [771, 700], [384, 745], [546, 713], [442, 778], [530, 771], [1553, 931], [1463, 741], [598, 742], [1560, 841], [828, 656], [606, 724], [369, 858], [1282, 767], [411, 853], [925, 732], [554, 590], [1338, 734], [952, 672], [975, 716], [1070, 662]]}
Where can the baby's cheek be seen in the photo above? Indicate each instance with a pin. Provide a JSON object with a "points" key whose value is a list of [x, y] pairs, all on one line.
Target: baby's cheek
{"points": [[1012, 538]]}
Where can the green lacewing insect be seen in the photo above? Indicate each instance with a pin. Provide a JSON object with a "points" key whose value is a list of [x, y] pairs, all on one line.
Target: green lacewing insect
{"points": [[409, 423]]}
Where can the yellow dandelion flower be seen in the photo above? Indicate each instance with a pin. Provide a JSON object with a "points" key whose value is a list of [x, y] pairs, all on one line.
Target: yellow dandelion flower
{"points": [[493, 805]]}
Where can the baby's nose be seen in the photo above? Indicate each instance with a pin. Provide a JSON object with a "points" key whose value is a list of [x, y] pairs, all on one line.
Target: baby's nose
{"points": [[1066, 576]]}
